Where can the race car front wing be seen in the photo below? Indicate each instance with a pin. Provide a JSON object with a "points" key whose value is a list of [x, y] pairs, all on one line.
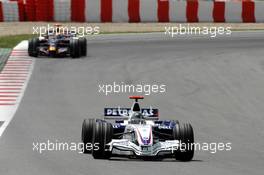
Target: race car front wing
{"points": [[126, 147]]}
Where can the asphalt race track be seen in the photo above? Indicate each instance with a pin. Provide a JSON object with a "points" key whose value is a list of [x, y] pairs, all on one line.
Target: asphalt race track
{"points": [[215, 84]]}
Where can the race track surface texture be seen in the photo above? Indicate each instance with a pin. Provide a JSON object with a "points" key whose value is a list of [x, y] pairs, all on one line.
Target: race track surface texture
{"points": [[215, 84]]}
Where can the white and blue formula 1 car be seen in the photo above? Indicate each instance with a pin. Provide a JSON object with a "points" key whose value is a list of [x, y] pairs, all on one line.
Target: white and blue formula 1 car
{"points": [[137, 133]]}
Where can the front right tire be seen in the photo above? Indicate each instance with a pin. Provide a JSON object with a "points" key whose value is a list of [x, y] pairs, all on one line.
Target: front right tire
{"points": [[83, 43], [103, 134], [87, 134]]}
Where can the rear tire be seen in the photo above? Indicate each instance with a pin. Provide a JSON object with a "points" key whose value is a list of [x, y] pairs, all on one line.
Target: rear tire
{"points": [[75, 50], [33, 45], [83, 43], [87, 133], [103, 133], [184, 133]]}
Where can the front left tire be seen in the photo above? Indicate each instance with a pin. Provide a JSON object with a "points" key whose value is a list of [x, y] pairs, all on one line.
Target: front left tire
{"points": [[33, 45], [184, 133]]}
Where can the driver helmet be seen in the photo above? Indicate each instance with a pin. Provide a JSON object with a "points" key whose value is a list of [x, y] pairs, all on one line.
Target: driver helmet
{"points": [[137, 118]]}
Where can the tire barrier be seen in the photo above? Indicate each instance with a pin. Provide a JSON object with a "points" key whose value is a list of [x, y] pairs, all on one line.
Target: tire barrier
{"points": [[30, 10], [131, 11], [1, 12], [77, 10], [44, 10]]}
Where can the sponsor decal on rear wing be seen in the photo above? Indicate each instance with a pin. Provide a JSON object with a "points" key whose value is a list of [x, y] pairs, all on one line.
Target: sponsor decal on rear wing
{"points": [[113, 113]]}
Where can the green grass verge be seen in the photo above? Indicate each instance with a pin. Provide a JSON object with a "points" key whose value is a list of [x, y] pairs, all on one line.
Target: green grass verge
{"points": [[12, 40], [4, 54]]}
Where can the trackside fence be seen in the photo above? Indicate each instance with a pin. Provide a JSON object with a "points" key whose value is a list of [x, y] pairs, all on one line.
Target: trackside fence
{"points": [[131, 11]]}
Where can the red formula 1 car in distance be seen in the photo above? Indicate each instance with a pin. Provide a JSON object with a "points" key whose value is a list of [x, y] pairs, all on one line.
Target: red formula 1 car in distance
{"points": [[58, 45]]}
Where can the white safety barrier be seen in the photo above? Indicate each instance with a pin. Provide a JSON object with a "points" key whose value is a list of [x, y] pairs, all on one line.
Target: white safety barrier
{"points": [[120, 11], [259, 11], [205, 11], [92, 11], [62, 10], [178, 11], [233, 12]]}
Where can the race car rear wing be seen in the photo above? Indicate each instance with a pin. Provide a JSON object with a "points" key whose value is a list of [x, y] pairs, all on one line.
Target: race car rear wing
{"points": [[121, 113]]}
